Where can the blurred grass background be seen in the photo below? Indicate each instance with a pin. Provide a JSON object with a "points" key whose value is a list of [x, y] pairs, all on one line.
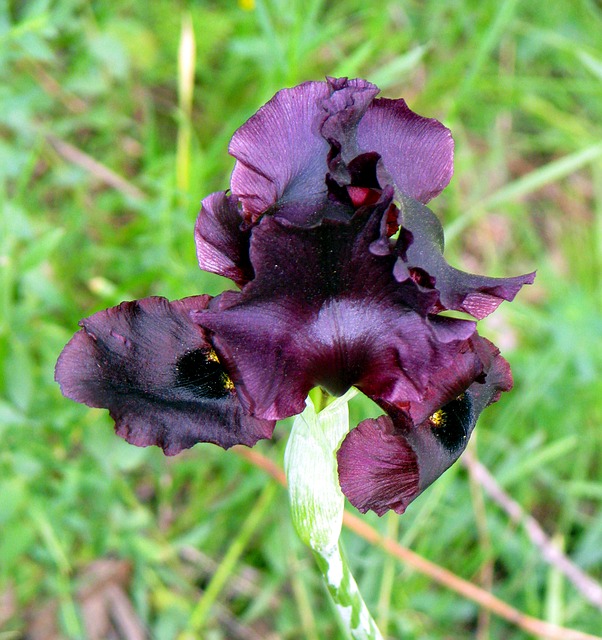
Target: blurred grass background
{"points": [[84, 82]]}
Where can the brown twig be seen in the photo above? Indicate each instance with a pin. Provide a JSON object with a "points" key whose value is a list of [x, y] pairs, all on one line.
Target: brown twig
{"points": [[435, 572], [54, 88], [100, 171], [486, 572], [587, 586], [71, 153]]}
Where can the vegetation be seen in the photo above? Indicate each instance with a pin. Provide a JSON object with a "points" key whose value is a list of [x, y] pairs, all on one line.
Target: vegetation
{"points": [[107, 148]]}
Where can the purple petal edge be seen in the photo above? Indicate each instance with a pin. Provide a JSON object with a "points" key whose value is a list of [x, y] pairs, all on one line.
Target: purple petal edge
{"points": [[222, 246], [279, 151], [156, 372], [416, 152], [386, 463]]}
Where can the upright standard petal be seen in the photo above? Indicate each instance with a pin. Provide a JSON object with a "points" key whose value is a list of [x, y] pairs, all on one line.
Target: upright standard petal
{"points": [[387, 462], [158, 375], [344, 109], [280, 153], [417, 153]]}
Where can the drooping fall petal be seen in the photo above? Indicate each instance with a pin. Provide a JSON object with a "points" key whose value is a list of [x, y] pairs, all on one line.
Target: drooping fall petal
{"points": [[385, 463], [477, 295], [158, 375]]}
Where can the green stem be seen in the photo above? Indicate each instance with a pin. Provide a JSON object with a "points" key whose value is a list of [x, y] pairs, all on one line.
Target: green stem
{"points": [[346, 594], [317, 507]]}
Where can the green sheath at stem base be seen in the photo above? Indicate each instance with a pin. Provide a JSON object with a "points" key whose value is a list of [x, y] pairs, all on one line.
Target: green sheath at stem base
{"points": [[317, 506]]}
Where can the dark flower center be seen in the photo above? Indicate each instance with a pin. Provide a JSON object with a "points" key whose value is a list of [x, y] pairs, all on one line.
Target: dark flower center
{"points": [[451, 423], [201, 372]]}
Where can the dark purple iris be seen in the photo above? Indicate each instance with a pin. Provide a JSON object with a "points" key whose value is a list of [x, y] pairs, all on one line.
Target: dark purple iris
{"points": [[342, 283]]}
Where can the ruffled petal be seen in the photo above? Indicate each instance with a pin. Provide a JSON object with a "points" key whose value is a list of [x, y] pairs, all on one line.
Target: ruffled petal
{"points": [[477, 295], [417, 153], [344, 109], [378, 469], [222, 246], [158, 375], [298, 153], [280, 153], [386, 463], [469, 364], [327, 298], [323, 310]]}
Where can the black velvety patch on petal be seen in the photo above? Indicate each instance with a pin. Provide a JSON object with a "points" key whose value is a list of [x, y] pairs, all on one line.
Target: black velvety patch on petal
{"points": [[386, 463], [158, 375], [451, 424], [200, 371]]}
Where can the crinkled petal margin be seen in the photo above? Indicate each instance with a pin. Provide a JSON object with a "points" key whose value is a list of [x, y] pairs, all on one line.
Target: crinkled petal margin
{"points": [[280, 153], [460, 291], [222, 245], [310, 134], [417, 153], [158, 375], [323, 310], [386, 463]]}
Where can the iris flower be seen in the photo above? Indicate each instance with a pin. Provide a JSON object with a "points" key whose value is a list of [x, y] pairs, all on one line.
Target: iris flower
{"points": [[341, 282]]}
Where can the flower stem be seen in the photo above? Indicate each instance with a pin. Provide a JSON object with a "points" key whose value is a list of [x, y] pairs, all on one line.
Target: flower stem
{"points": [[317, 506], [346, 594]]}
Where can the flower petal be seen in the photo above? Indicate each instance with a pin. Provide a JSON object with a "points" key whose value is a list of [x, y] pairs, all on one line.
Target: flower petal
{"points": [[446, 383], [477, 295], [222, 247], [324, 310], [280, 153], [386, 463], [344, 109], [293, 154], [417, 152], [378, 469], [158, 375]]}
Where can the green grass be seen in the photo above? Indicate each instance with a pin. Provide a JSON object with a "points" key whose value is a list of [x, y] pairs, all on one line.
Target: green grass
{"points": [[521, 89]]}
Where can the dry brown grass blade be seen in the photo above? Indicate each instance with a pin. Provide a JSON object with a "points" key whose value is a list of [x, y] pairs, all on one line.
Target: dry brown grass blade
{"points": [[105, 608], [78, 157], [444, 577], [587, 586]]}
